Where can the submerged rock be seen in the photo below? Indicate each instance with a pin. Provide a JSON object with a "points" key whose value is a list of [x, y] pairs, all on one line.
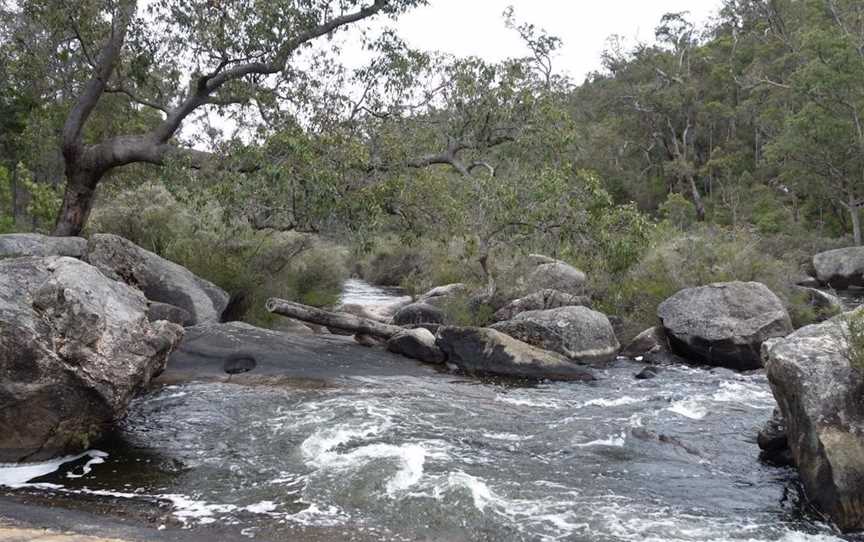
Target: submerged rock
{"points": [[647, 373], [724, 324], [35, 244], [489, 352], [542, 300], [774, 443], [821, 398], [75, 347], [579, 333], [159, 279], [418, 343], [840, 268], [652, 339]]}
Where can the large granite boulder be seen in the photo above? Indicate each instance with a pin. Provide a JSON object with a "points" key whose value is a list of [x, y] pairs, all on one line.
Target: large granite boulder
{"points": [[821, 398], [75, 347], [36, 244], [840, 268], [724, 324], [418, 343], [579, 333], [160, 280], [486, 351], [557, 275], [652, 340], [419, 313], [538, 301]]}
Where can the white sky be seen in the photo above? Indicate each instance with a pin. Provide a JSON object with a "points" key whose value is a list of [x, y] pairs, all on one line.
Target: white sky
{"points": [[476, 27]]}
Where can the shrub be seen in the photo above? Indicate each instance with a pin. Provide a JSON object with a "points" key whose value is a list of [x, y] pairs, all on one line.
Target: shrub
{"points": [[696, 259], [678, 211], [854, 331], [250, 265], [464, 310]]}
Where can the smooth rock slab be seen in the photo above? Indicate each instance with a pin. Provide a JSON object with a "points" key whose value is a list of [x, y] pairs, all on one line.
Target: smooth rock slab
{"points": [[840, 268], [821, 398], [579, 333], [160, 280], [75, 347], [486, 351], [35, 244], [724, 324]]}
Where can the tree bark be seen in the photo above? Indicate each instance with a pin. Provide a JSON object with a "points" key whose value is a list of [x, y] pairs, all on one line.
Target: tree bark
{"points": [[87, 164], [77, 203], [697, 199], [338, 320]]}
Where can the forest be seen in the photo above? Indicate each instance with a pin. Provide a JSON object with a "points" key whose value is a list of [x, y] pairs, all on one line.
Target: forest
{"points": [[738, 145]]}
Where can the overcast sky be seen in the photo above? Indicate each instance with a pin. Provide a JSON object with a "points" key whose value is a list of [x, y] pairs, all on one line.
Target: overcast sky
{"points": [[476, 27]]}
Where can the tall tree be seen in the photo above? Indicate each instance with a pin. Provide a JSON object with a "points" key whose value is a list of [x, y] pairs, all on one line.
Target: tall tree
{"points": [[177, 58]]}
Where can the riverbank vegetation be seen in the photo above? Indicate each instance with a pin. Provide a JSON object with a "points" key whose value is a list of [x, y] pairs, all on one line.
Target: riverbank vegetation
{"points": [[729, 152]]}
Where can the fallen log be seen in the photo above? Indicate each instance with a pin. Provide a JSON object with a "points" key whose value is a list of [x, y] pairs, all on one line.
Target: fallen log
{"points": [[338, 320]]}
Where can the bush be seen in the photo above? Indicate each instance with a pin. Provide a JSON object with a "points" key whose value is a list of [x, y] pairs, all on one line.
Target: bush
{"points": [[464, 310], [250, 265], [418, 266], [678, 211], [696, 259], [855, 338]]}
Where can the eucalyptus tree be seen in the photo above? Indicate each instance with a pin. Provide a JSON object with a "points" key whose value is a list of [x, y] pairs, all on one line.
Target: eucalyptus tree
{"points": [[176, 58], [820, 150]]}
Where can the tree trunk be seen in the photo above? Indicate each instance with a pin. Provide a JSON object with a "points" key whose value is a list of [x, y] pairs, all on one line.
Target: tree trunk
{"points": [[77, 203], [855, 211], [338, 320], [697, 198]]}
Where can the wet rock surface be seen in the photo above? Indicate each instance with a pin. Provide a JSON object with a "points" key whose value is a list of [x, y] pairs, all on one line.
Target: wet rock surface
{"points": [[75, 347], [821, 399], [486, 351]]}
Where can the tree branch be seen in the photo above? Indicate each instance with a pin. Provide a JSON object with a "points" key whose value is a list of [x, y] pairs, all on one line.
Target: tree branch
{"points": [[95, 87], [136, 99]]}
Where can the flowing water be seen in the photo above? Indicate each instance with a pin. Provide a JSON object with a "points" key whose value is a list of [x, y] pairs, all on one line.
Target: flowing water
{"points": [[430, 455]]}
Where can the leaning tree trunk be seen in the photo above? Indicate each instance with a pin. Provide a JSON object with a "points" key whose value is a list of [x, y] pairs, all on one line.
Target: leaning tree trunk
{"points": [[77, 203], [338, 320]]}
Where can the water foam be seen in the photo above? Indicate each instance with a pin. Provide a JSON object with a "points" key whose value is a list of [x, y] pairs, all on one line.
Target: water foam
{"points": [[18, 475], [615, 441], [689, 408]]}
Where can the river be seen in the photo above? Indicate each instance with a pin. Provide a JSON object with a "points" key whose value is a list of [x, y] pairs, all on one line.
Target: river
{"points": [[432, 455]]}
